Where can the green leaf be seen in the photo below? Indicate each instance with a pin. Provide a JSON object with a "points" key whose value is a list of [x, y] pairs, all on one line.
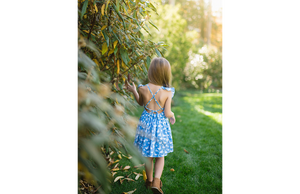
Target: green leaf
{"points": [[118, 5], [153, 8], [136, 29], [106, 37], [147, 26], [153, 25], [85, 4], [124, 55], [146, 30], [148, 61], [115, 8], [116, 37], [157, 52], [141, 11], [116, 50], [104, 48]]}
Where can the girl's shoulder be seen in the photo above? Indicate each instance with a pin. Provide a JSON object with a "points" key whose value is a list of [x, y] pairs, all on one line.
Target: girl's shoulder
{"points": [[171, 89]]}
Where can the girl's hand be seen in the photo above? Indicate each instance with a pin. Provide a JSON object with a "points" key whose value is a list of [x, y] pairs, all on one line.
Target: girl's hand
{"points": [[130, 88], [172, 120]]}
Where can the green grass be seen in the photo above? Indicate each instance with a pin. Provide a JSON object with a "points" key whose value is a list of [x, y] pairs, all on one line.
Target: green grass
{"points": [[198, 129]]}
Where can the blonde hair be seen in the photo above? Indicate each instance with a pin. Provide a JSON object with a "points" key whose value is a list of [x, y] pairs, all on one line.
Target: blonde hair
{"points": [[159, 72]]}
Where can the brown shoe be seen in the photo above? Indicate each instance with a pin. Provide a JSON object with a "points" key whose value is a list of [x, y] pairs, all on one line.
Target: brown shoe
{"points": [[156, 186], [148, 184]]}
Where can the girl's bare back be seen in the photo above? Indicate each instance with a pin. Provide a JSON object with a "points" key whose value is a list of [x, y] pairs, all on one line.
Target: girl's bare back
{"points": [[163, 97]]}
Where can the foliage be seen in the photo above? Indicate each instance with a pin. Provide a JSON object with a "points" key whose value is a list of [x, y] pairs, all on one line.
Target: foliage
{"points": [[194, 13], [111, 49], [177, 38], [204, 69]]}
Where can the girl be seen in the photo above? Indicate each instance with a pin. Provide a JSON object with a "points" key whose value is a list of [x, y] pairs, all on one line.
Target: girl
{"points": [[153, 135]]}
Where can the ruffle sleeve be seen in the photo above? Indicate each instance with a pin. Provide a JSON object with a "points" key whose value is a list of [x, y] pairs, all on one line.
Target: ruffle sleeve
{"points": [[169, 89]]}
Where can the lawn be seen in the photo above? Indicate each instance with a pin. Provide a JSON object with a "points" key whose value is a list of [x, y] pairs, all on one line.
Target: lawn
{"points": [[198, 130]]}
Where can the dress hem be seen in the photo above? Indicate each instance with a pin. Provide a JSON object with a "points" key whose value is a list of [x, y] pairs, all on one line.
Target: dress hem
{"points": [[157, 156]]}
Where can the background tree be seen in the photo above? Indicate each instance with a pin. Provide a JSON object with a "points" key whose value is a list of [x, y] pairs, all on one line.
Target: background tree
{"points": [[204, 69], [177, 38]]}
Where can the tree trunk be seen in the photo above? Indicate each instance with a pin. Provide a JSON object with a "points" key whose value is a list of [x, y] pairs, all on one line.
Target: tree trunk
{"points": [[202, 20], [208, 23]]}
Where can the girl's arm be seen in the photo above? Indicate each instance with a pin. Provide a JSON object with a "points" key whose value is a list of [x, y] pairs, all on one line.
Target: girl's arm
{"points": [[168, 113], [137, 95]]}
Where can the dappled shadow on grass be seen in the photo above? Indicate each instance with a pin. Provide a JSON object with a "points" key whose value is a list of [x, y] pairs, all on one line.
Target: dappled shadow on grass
{"points": [[211, 102]]}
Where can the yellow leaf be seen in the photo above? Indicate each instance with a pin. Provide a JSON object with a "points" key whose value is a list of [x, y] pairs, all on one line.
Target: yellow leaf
{"points": [[103, 27], [101, 62], [144, 175], [115, 169], [118, 69], [84, 16], [129, 179], [116, 165], [117, 178], [107, 6], [129, 157], [116, 161], [127, 2], [113, 174], [119, 156], [95, 60], [123, 65], [115, 43], [96, 8], [129, 192], [140, 68], [126, 167], [138, 176], [110, 52], [104, 48], [102, 9], [89, 32], [101, 34]]}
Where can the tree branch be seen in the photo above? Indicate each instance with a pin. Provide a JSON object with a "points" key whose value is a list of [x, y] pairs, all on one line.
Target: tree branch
{"points": [[131, 67], [93, 24]]}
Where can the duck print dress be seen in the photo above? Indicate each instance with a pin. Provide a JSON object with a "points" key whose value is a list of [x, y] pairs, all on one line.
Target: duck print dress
{"points": [[153, 135]]}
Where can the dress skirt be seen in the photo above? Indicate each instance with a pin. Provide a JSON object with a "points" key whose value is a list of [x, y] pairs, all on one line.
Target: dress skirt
{"points": [[153, 135]]}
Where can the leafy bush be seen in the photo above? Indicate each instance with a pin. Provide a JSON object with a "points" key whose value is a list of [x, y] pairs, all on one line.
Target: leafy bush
{"points": [[204, 69], [112, 48]]}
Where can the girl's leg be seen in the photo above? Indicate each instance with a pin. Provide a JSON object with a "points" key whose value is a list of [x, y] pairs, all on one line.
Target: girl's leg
{"points": [[159, 166], [149, 169]]}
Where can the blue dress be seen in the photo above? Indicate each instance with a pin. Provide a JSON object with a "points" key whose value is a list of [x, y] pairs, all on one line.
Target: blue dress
{"points": [[153, 135]]}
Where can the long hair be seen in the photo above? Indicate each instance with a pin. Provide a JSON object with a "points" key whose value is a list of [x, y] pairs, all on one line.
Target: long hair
{"points": [[159, 72]]}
